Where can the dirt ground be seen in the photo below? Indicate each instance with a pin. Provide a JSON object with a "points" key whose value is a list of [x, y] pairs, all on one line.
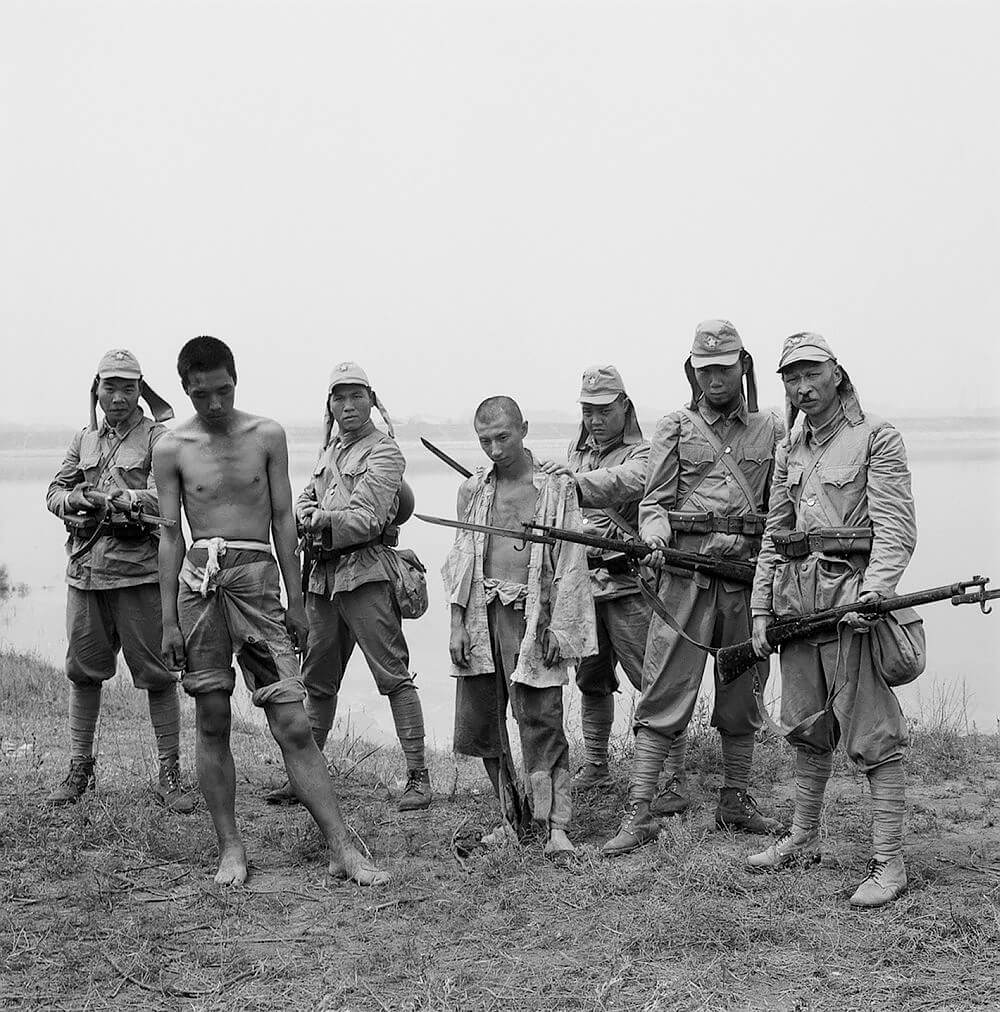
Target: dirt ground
{"points": [[110, 903]]}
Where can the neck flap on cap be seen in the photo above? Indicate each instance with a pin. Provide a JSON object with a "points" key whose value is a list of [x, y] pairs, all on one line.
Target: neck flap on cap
{"points": [[751, 384], [159, 408], [631, 434], [330, 424]]}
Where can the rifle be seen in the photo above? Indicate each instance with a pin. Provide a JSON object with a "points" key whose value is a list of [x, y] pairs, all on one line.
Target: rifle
{"points": [[545, 534], [732, 661]]}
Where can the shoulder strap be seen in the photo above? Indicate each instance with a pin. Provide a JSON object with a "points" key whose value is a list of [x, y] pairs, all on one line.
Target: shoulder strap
{"points": [[727, 460]]}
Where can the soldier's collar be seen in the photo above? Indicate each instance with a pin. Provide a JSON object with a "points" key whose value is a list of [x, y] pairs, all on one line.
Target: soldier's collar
{"points": [[712, 416], [350, 438]]}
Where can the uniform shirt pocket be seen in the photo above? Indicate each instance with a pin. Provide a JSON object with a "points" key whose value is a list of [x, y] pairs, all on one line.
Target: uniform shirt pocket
{"points": [[838, 475], [133, 466]]}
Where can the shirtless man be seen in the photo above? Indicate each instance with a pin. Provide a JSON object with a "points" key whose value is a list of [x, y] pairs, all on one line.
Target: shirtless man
{"points": [[231, 471], [523, 614]]}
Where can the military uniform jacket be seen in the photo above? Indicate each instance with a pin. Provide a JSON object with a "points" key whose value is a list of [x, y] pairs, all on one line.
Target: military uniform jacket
{"points": [[687, 474], [853, 472], [111, 464], [614, 476], [356, 479]]}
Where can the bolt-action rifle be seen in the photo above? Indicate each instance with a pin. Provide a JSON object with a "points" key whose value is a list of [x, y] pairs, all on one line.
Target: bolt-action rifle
{"points": [[545, 534], [732, 661]]}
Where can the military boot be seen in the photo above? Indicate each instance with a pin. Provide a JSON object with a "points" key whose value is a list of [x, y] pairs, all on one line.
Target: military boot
{"points": [[79, 779], [168, 792], [785, 853], [885, 881], [283, 795], [671, 800], [738, 810], [638, 828], [417, 792], [591, 775]]}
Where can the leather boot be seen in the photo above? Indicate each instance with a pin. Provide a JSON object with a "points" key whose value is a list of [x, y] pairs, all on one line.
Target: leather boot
{"points": [[79, 779], [168, 792], [785, 853], [738, 810], [417, 793], [885, 881], [638, 828], [671, 800]]}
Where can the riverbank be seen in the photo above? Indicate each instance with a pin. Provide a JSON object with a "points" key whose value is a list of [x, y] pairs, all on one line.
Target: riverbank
{"points": [[110, 903]]}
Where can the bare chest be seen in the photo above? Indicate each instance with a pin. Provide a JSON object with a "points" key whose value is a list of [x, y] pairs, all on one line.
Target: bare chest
{"points": [[225, 471]]}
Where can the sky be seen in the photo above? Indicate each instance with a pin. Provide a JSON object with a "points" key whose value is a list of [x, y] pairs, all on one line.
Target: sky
{"points": [[473, 198]]}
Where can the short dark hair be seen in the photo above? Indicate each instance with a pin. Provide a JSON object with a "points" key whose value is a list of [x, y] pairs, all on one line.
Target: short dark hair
{"points": [[495, 406], [203, 353]]}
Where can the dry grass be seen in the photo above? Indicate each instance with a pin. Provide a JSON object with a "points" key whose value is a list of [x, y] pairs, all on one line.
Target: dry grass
{"points": [[110, 903]]}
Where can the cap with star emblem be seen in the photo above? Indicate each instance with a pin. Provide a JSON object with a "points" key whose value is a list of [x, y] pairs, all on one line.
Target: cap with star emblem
{"points": [[716, 342], [805, 347], [348, 372], [602, 384], [119, 362]]}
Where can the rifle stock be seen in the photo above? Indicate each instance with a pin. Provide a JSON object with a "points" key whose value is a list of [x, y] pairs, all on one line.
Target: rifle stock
{"points": [[732, 661]]}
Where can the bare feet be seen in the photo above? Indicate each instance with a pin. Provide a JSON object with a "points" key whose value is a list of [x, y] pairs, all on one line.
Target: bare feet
{"points": [[358, 869], [558, 844], [232, 866]]}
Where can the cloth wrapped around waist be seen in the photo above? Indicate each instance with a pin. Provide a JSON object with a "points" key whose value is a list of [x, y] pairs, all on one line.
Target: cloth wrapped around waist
{"points": [[202, 577], [507, 592]]}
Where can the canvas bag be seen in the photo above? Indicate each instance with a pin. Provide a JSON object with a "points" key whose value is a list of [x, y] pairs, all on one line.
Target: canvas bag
{"points": [[409, 582], [899, 647]]}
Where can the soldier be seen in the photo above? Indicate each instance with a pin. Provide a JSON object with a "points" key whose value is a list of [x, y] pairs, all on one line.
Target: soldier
{"points": [[112, 599], [707, 489], [351, 504], [842, 478], [607, 460]]}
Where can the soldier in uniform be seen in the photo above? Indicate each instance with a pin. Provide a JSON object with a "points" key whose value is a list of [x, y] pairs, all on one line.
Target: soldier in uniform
{"points": [[607, 460], [706, 491], [112, 599], [842, 480], [350, 505]]}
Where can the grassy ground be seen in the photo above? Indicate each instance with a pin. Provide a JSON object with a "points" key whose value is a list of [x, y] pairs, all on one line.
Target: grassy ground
{"points": [[110, 903]]}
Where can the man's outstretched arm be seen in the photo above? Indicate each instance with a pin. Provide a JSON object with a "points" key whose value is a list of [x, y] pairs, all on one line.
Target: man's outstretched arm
{"points": [[283, 532], [171, 551]]}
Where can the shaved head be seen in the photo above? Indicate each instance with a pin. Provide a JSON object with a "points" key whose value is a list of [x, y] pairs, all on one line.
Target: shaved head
{"points": [[499, 407]]}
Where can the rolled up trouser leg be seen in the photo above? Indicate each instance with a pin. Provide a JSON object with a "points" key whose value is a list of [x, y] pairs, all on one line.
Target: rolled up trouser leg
{"points": [[888, 787], [812, 771], [737, 755]]}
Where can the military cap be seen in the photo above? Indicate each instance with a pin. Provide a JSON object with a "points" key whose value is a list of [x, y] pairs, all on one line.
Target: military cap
{"points": [[119, 362], [716, 342], [602, 384], [348, 372], [805, 347]]}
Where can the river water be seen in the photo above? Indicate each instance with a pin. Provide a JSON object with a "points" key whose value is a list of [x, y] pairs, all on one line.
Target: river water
{"points": [[956, 483]]}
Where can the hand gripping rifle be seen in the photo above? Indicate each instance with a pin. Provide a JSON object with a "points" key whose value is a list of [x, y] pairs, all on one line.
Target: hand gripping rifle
{"points": [[732, 661]]}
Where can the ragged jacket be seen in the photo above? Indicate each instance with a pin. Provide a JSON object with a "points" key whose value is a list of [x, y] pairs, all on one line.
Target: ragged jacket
{"points": [[684, 475], [613, 476], [853, 474], [558, 597], [110, 465], [356, 479]]}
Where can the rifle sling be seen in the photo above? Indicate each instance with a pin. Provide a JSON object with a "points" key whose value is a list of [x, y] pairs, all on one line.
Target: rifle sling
{"points": [[653, 600]]}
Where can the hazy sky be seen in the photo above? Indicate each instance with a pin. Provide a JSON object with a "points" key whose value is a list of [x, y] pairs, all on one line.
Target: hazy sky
{"points": [[478, 198]]}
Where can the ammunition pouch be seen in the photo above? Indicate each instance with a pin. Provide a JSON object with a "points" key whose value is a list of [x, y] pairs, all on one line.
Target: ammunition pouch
{"points": [[749, 525], [119, 525], [838, 541], [318, 552]]}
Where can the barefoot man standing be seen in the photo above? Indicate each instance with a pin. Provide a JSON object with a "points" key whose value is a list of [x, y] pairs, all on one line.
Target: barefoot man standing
{"points": [[223, 597]]}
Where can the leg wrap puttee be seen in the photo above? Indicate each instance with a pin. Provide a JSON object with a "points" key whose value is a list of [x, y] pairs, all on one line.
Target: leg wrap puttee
{"points": [[409, 720], [597, 714], [84, 709], [812, 771], [888, 787], [737, 754]]}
